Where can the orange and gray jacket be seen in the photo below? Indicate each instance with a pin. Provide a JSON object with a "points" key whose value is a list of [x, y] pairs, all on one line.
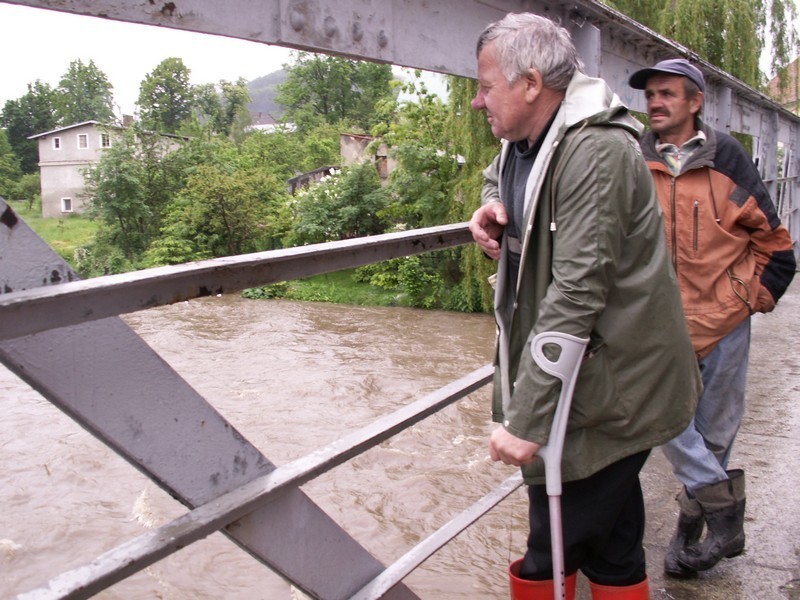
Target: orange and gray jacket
{"points": [[730, 252]]}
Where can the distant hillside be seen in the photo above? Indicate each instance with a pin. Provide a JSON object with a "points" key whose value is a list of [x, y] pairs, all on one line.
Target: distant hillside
{"points": [[262, 95]]}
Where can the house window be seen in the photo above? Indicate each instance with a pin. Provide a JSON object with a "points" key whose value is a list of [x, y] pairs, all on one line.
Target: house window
{"points": [[83, 140], [66, 205], [56, 143], [105, 140]]}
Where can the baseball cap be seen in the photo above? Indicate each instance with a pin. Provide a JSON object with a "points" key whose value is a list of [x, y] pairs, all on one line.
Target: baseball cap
{"points": [[674, 66]]}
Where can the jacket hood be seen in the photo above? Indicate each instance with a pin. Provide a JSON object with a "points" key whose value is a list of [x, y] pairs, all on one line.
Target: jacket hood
{"points": [[589, 100]]}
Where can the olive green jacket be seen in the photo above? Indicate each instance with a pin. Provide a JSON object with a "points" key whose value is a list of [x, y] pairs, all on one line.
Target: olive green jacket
{"points": [[594, 265]]}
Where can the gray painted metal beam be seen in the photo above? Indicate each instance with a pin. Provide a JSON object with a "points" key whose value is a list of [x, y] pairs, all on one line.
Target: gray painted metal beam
{"points": [[114, 385]]}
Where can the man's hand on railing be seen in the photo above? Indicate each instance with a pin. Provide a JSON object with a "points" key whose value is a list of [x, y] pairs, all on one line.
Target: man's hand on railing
{"points": [[487, 225]]}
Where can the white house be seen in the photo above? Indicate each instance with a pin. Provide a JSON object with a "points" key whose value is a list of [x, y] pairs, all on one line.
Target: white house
{"points": [[64, 154]]}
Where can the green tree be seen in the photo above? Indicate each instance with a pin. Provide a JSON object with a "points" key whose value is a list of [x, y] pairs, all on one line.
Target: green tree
{"points": [[221, 109], [410, 277], [29, 188], [421, 195], [344, 205], [222, 212], [376, 94], [475, 142], [10, 171], [730, 34], [286, 153], [31, 114], [235, 98], [206, 104], [130, 187], [330, 89], [116, 186], [279, 153], [427, 163], [84, 94], [165, 97], [321, 147]]}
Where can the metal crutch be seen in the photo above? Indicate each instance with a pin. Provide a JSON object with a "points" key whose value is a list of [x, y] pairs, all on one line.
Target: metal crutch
{"points": [[566, 368]]}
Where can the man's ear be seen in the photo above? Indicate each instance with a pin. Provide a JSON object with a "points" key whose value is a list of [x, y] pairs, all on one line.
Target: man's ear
{"points": [[696, 103], [533, 84]]}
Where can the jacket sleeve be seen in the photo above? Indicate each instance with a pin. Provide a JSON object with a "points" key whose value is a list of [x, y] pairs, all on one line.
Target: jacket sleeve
{"points": [[775, 260], [770, 242]]}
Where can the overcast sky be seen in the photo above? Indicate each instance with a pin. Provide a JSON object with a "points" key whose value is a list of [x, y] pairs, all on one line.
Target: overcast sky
{"points": [[40, 44]]}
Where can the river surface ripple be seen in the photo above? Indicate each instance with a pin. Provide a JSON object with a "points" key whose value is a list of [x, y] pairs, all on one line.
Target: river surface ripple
{"points": [[291, 377]]}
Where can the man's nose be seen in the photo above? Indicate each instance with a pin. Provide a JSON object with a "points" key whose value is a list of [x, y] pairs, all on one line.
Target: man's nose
{"points": [[477, 103]]}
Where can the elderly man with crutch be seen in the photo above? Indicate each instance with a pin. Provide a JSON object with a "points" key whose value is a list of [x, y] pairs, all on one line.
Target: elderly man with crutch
{"points": [[570, 212]]}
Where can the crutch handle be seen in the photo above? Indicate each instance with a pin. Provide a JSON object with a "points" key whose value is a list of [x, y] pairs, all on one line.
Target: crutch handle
{"points": [[566, 369]]}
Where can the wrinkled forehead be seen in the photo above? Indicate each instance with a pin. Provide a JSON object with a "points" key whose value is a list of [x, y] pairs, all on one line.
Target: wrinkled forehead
{"points": [[664, 81], [488, 64]]}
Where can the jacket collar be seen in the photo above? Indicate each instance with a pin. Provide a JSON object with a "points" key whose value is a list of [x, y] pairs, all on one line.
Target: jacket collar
{"points": [[703, 157]]}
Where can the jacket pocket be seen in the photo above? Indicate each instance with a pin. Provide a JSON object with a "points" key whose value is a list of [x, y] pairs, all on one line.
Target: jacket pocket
{"points": [[595, 399]]}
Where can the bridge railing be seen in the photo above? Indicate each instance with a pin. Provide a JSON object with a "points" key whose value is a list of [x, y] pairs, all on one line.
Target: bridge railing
{"points": [[47, 312]]}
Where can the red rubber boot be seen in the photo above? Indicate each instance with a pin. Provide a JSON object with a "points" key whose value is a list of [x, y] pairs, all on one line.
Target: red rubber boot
{"points": [[525, 589], [639, 591]]}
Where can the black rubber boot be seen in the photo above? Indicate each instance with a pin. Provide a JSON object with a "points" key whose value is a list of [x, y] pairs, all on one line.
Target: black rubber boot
{"points": [[723, 506], [687, 533]]}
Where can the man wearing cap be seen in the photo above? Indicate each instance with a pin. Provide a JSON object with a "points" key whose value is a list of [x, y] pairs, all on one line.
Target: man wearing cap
{"points": [[733, 258]]}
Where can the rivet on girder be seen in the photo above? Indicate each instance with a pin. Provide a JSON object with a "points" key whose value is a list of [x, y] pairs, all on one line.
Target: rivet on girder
{"points": [[357, 32], [330, 27], [383, 39], [297, 19]]}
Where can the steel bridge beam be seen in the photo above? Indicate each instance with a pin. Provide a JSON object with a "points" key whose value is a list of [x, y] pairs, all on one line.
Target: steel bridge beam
{"points": [[45, 294]]}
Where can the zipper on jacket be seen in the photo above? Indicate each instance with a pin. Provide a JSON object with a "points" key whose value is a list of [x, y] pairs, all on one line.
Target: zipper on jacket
{"points": [[673, 227], [695, 226]]}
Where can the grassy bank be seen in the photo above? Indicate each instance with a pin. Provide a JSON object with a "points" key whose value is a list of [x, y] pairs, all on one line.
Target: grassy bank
{"points": [[340, 288], [64, 234], [67, 234]]}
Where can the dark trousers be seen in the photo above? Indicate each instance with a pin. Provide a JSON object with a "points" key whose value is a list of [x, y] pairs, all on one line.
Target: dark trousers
{"points": [[603, 525]]}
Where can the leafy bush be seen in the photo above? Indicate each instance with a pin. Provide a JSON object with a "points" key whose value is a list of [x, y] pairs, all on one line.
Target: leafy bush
{"points": [[267, 292], [343, 205]]}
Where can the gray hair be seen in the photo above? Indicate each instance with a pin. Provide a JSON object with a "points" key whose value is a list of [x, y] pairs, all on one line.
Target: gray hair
{"points": [[526, 41]]}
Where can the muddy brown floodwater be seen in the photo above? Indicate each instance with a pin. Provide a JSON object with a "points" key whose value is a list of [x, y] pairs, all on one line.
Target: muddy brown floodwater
{"points": [[292, 377]]}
